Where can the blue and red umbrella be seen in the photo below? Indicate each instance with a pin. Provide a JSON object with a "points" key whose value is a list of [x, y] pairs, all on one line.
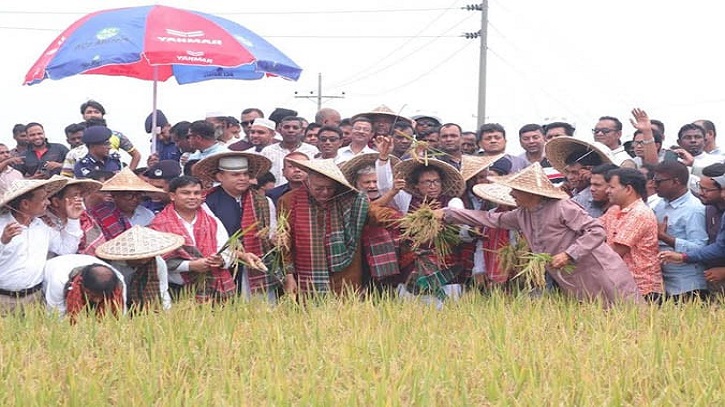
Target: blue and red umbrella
{"points": [[156, 43]]}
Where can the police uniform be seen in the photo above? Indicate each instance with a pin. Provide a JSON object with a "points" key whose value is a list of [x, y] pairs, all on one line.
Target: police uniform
{"points": [[91, 136]]}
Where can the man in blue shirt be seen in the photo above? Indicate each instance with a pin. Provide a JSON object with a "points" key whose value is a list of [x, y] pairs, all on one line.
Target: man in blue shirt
{"points": [[99, 156], [681, 219]]}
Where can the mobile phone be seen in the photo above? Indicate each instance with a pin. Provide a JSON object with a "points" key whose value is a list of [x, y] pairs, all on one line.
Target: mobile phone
{"points": [[670, 156]]}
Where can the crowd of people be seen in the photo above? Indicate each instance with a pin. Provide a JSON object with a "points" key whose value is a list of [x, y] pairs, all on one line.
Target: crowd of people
{"points": [[260, 207]]}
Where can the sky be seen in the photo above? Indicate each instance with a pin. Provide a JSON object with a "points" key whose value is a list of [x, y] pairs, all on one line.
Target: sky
{"points": [[554, 60]]}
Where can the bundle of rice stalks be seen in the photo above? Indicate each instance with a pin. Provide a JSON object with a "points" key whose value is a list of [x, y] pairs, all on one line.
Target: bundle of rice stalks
{"points": [[510, 257], [422, 228], [533, 273], [420, 150]]}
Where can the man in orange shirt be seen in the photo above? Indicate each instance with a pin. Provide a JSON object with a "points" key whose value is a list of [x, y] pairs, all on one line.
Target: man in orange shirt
{"points": [[632, 230]]}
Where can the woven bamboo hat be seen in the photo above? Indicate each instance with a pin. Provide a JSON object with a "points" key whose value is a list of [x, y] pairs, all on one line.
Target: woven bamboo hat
{"points": [[126, 180], [473, 164], [21, 187], [87, 185], [381, 110], [207, 168], [350, 167], [496, 193], [452, 181], [326, 167], [533, 180], [139, 243], [559, 148]]}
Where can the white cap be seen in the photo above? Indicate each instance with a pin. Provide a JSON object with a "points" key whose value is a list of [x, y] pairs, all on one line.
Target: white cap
{"points": [[233, 164], [214, 114], [266, 123]]}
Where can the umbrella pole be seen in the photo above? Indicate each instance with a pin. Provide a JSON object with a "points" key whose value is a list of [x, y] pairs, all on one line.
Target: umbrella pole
{"points": [[153, 112]]}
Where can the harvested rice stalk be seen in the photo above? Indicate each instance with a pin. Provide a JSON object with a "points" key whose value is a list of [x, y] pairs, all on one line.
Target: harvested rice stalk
{"points": [[510, 257], [274, 259], [534, 271], [421, 227], [420, 150]]}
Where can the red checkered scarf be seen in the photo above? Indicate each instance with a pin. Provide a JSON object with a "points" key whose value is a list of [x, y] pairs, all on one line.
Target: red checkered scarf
{"points": [[325, 239], [380, 243], [110, 219], [218, 283], [92, 235], [76, 298], [255, 216], [494, 239]]}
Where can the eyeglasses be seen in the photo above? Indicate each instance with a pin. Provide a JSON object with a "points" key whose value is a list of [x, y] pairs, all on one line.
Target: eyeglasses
{"points": [[330, 139], [703, 189], [247, 124], [604, 131], [657, 181], [430, 183]]}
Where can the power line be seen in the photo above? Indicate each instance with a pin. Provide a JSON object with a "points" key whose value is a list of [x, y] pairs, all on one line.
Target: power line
{"points": [[400, 59], [426, 73], [396, 49], [231, 13]]}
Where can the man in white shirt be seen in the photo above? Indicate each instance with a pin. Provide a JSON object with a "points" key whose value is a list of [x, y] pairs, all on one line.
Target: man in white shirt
{"points": [[58, 272], [26, 239], [362, 133], [291, 130]]}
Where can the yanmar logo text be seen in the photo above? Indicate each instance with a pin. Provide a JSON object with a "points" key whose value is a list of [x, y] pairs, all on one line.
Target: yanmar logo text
{"points": [[187, 37], [194, 57]]}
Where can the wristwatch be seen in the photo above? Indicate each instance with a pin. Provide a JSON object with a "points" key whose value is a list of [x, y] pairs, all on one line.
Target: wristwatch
{"points": [[646, 142]]}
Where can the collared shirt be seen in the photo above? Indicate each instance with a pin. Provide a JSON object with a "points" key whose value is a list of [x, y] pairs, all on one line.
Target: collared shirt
{"points": [[636, 228], [215, 148], [276, 153], [56, 274], [653, 200], [141, 216], [346, 153], [586, 200], [686, 223], [154, 206], [619, 156], [32, 163], [23, 258], [7, 176], [89, 164]]}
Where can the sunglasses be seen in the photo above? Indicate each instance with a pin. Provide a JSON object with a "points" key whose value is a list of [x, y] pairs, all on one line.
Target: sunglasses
{"points": [[330, 139]]}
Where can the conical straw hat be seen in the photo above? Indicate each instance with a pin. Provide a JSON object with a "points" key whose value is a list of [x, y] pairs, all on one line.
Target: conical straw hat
{"points": [[126, 180], [381, 110], [87, 185], [139, 243], [558, 149], [473, 164], [533, 180], [207, 168], [452, 181], [350, 167], [496, 193], [21, 187], [326, 167]]}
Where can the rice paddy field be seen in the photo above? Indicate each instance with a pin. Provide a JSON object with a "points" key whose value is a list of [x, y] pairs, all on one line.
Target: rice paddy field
{"points": [[482, 350]]}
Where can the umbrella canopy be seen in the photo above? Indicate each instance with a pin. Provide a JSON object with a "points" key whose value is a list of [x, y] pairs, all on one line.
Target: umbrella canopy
{"points": [[158, 42]]}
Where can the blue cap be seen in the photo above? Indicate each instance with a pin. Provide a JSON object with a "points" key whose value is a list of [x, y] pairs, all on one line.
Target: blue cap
{"points": [[96, 135], [164, 169], [161, 120], [502, 166]]}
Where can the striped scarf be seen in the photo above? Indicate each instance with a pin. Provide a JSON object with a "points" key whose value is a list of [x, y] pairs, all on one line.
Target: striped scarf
{"points": [[325, 238], [380, 243], [217, 284], [110, 219], [143, 286], [92, 235], [255, 215]]}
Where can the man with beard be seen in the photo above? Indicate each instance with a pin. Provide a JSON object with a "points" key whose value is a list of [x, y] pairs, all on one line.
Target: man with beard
{"points": [[691, 138], [42, 159], [261, 134], [449, 142]]}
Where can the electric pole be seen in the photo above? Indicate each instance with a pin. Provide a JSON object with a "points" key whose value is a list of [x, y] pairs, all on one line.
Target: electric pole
{"points": [[483, 35], [319, 96]]}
